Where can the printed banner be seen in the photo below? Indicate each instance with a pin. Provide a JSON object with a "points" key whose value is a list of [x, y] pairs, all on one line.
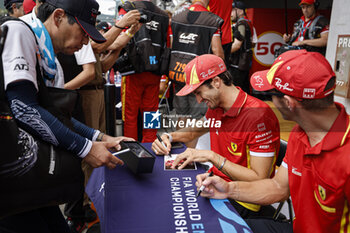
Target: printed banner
{"points": [[162, 201]]}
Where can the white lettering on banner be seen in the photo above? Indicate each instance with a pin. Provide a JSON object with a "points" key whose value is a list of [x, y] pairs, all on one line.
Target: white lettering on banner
{"points": [[186, 210], [284, 86]]}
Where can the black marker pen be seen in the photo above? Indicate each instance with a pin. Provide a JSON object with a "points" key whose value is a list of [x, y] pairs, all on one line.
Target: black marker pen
{"points": [[203, 187]]}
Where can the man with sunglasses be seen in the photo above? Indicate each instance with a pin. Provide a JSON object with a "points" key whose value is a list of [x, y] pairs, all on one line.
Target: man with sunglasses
{"points": [[315, 171]]}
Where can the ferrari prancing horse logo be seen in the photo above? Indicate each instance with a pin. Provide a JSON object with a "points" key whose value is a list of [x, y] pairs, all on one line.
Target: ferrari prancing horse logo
{"points": [[233, 149], [322, 192]]}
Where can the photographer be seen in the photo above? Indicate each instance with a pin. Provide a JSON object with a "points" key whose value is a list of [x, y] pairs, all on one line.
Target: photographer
{"points": [[140, 89]]}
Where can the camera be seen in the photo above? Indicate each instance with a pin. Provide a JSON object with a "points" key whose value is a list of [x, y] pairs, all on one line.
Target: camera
{"points": [[123, 64]]}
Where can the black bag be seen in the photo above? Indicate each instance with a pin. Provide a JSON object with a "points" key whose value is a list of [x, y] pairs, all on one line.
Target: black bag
{"points": [[165, 61], [285, 48], [34, 173], [245, 60]]}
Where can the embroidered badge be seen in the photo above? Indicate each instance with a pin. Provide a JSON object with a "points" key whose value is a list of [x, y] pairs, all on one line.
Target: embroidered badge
{"points": [[322, 192], [233, 149]]}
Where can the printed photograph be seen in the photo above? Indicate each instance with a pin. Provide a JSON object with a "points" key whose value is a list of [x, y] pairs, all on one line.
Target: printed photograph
{"points": [[168, 162]]}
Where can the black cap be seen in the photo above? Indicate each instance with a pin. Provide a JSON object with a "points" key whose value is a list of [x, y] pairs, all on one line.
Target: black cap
{"points": [[239, 5], [8, 3], [84, 12]]}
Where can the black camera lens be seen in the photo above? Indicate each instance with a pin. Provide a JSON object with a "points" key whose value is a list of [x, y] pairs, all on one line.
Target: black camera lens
{"points": [[143, 19]]}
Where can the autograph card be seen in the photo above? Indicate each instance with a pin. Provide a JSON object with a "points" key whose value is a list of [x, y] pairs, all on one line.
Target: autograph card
{"points": [[168, 162]]}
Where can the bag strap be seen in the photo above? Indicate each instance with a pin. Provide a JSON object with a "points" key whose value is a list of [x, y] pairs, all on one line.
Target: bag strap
{"points": [[43, 92], [3, 35], [312, 27]]}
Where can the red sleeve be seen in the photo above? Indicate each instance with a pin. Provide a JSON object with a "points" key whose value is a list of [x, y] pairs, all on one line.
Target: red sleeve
{"points": [[264, 133], [325, 29]]}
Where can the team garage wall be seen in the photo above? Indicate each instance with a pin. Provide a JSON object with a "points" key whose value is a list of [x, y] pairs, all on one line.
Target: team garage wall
{"points": [[340, 28], [270, 25]]}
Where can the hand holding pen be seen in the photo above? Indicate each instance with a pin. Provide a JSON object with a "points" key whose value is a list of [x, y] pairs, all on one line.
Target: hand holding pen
{"points": [[203, 187], [162, 148]]}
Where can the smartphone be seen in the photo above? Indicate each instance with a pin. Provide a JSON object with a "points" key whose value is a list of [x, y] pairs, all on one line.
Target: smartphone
{"points": [[177, 145]]}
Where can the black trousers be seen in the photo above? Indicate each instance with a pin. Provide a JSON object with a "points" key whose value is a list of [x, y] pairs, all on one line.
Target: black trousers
{"points": [[261, 225], [43, 220]]}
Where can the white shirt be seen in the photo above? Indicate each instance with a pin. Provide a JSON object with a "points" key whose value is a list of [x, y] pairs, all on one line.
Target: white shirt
{"points": [[19, 54], [85, 55]]}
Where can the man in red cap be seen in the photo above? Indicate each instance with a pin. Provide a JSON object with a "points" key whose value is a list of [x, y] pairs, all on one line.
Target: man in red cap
{"points": [[315, 171], [245, 142], [311, 30]]}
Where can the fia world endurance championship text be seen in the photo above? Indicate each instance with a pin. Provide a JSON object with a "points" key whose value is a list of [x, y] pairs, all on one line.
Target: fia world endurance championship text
{"points": [[187, 217]]}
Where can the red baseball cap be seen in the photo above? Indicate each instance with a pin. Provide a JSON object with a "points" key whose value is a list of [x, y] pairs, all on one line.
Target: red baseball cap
{"points": [[296, 73], [198, 70], [308, 2], [28, 5]]}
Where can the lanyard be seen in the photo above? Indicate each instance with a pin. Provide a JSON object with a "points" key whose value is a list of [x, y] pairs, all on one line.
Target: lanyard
{"points": [[303, 29]]}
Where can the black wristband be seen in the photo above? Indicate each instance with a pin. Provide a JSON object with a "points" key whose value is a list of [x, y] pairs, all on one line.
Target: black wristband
{"points": [[120, 27]]}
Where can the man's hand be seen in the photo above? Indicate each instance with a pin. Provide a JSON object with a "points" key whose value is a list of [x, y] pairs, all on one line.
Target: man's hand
{"points": [[130, 18], [158, 147], [107, 138], [135, 27], [191, 155], [298, 43], [215, 187], [286, 37], [100, 156]]}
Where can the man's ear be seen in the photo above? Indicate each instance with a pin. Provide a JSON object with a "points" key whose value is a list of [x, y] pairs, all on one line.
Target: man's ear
{"points": [[58, 16], [216, 82], [290, 102]]}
